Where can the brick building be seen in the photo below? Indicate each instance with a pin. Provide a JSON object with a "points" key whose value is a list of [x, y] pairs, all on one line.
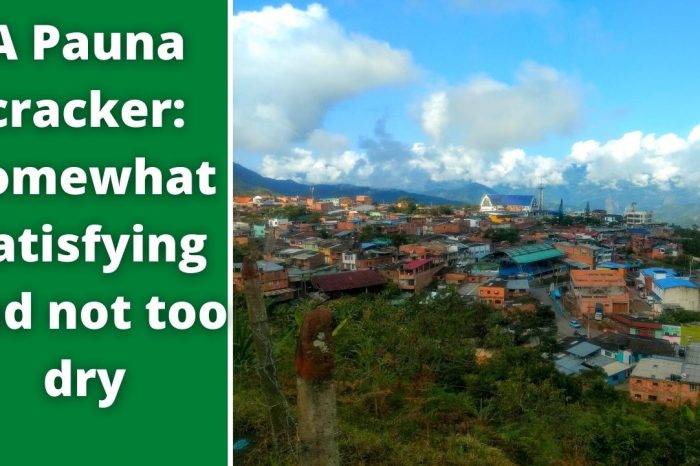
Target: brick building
{"points": [[671, 382], [605, 287]]}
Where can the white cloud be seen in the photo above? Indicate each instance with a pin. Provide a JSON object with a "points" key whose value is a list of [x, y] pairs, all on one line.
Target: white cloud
{"points": [[384, 162], [491, 115], [510, 167], [304, 166], [643, 160], [292, 65]]}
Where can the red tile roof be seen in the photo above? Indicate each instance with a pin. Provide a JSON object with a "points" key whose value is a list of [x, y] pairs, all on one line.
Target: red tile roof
{"points": [[346, 281]]}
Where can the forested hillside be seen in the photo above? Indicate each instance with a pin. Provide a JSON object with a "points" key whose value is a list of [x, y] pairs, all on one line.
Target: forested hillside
{"points": [[434, 381]]}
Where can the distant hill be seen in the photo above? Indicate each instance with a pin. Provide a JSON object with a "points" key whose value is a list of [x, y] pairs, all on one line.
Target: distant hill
{"points": [[674, 205], [246, 180]]}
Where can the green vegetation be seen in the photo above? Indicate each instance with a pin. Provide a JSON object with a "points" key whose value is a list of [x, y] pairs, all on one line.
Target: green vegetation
{"points": [[408, 206], [241, 251], [503, 234], [690, 240], [413, 387], [441, 210], [679, 316]]}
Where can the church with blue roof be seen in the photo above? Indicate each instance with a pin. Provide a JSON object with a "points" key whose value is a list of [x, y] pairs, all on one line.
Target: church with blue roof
{"points": [[508, 203]]}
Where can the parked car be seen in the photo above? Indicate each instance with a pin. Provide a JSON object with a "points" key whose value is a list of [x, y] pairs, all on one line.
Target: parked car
{"points": [[598, 312], [574, 323]]}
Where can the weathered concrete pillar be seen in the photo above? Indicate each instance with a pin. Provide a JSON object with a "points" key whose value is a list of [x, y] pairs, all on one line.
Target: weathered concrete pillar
{"points": [[317, 426]]}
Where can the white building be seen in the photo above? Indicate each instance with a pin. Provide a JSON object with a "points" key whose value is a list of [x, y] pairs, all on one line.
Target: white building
{"points": [[277, 223], [677, 291], [638, 217], [511, 203]]}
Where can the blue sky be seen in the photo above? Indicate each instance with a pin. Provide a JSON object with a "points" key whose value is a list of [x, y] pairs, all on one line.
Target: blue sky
{"points": [[396, 93]]}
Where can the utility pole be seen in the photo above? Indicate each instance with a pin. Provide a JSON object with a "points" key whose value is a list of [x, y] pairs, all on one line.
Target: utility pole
{"points": [[257, 316], [317, 429]]}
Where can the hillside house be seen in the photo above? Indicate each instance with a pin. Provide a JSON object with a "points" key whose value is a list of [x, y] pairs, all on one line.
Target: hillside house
{"points": [[674, 291], [605, 287], [670, 382]]}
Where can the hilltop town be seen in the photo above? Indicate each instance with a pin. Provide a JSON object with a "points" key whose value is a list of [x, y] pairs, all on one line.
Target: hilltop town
{"points": [[611, 278], [613, 297]]}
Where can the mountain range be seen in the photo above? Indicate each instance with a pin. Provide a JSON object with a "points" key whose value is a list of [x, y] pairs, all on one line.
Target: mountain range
{"points": [[246, 180], [674, 205]]}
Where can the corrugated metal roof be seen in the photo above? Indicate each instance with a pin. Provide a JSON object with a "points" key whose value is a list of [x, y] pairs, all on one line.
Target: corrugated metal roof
{"points": [[674, 282], [569, 365], [346, 281], [692, 353], [583, 349], [415, 264], [615, 367], [660, 369], [643, 345], [636, 323], [263, 266], [518, 285], [532, 253]]}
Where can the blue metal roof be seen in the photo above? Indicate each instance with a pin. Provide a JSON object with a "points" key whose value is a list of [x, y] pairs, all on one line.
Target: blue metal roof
{"points": [[511, 199], [583, 349], [674, 282], [650, 272], [570, 365]]}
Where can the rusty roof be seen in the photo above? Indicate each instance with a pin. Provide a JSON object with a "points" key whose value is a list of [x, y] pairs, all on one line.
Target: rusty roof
{"points": [[346, 281]]}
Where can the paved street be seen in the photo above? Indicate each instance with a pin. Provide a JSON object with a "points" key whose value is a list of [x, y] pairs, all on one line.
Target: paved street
{"points": [[541, 293]]}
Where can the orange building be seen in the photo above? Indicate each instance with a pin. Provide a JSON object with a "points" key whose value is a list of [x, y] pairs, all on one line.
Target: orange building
{"points": [[243, 200], [414, 250], [493, 293], [606, 287]]}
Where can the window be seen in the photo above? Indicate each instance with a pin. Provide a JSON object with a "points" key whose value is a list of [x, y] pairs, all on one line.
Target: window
{"points": [[656, 384], [693, 387], [652, 398], [637, 396], [637, 381]]}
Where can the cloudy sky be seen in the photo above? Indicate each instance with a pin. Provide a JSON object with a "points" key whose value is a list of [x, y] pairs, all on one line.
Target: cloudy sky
{"points": [[398, 93]]}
